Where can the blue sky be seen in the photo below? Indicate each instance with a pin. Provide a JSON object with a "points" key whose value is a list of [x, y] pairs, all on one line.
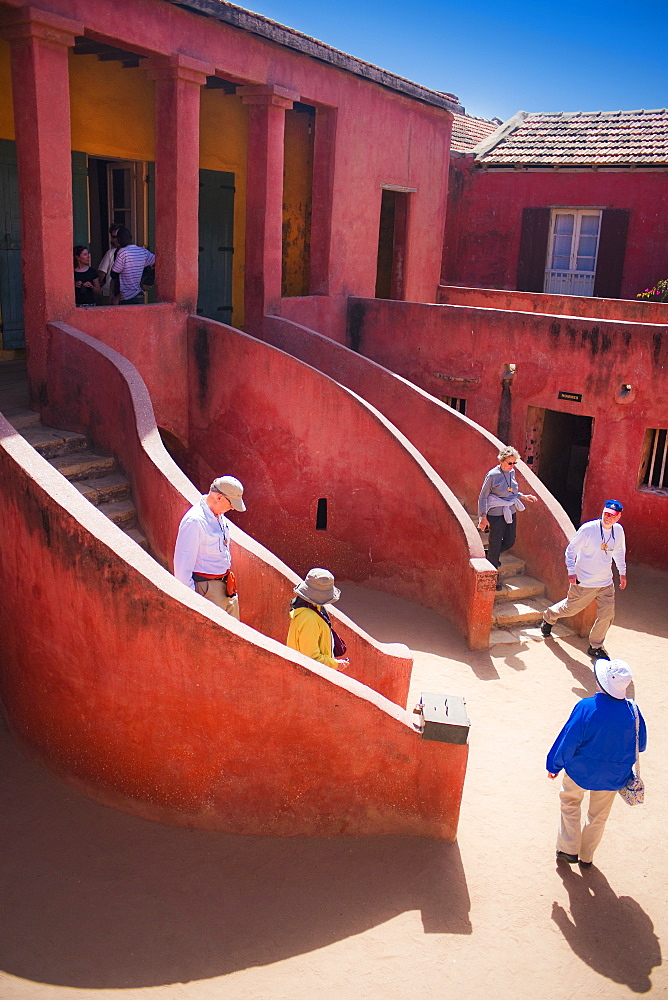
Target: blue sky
{"points": [[500, 58]]}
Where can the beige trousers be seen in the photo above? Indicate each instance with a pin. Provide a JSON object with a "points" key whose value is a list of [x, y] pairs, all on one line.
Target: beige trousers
{"points": [[572, 839], [577, 599], [216, 592]]}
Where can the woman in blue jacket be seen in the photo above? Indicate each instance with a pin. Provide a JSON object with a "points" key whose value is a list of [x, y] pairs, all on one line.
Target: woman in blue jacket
{"points": [[596, 750]]}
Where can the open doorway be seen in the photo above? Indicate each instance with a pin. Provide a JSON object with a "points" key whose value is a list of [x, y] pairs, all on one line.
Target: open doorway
{"points": [[558, 451], [119, 191], [392, 245]]}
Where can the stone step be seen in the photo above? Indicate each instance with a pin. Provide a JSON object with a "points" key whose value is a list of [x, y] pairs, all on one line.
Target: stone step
{"points": [[518, 588], [510, 565], [20, 417], [136, 535], [50, 442], [518, 612], [121, 512], [105, 488], [83, 465]]}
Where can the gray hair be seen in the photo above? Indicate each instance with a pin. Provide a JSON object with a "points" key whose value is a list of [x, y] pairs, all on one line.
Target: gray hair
{"points": [[507, 452]]}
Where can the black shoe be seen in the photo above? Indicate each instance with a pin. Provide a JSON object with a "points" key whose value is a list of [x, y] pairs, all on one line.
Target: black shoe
{"points": [[499, 585], [585, 864], [571, 858], [597, 653], [546, 628]]}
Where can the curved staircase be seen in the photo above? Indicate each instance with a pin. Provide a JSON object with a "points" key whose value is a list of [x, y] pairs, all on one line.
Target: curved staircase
{"points": [[95, 476], [522, 600]]}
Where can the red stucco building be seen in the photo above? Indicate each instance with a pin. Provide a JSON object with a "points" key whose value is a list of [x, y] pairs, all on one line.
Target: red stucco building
{"points": [[251, 158], [552, 217], [573, 204], [292, 254]]}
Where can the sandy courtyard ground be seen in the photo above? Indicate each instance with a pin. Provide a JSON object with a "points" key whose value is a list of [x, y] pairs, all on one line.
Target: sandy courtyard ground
{"points": [[98, 904]]}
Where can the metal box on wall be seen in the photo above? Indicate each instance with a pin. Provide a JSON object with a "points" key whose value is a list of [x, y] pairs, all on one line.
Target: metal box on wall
{"points": [[445, 718]]}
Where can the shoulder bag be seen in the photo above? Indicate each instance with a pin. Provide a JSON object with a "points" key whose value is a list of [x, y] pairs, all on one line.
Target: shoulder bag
{"points": [[633, 791]]}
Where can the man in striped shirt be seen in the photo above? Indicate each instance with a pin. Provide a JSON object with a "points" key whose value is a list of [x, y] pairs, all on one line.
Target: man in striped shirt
{"points": [[129, 266]]}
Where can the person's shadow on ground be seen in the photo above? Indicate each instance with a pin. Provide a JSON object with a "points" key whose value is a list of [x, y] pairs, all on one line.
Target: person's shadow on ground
{"points": [[612, 934]]}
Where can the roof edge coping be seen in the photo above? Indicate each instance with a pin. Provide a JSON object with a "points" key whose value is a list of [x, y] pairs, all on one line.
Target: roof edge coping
{"points": [[240, 17]]}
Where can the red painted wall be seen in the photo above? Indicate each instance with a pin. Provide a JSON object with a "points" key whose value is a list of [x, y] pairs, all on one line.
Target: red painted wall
{"points": [[123, 687], [483, 226], [121, 422], [460, 451], [552, 353], [153, 702], [626, 310], [292, 436], [152, 338]]}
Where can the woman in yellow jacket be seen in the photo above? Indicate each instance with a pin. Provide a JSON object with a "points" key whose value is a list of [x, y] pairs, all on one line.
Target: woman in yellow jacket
{"points": [[310, 629]]}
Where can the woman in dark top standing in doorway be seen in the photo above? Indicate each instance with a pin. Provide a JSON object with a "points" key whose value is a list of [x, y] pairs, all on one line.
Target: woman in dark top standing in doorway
{"points": [[86, 281]]}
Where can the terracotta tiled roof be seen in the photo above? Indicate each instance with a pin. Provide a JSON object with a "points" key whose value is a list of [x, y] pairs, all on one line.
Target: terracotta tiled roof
{"points": [[579, 139], [467, 132]]}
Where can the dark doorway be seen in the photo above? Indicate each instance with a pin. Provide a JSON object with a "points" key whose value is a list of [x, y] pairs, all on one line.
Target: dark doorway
{"points": [[392, 245], [216, 244], [559, 445]]}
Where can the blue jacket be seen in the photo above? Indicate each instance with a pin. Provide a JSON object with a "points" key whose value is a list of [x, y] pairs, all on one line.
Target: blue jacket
{"points": [[597, 746]]}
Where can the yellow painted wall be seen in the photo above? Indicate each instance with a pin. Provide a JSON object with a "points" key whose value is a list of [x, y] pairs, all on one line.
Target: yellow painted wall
{"points": [[6, 110], [112, 116], [223, 145], [112, 109], [297, 191]]}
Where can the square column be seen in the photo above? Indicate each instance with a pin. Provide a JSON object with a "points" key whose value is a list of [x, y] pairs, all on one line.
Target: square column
{"points": [[39, 42], [178, 80], [264, 198], [322, 199]]}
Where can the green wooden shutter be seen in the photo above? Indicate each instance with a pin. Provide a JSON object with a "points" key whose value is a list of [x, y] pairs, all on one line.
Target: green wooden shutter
{"points": [[11, 286], [216, 244], [150, 203], [80, 198]]}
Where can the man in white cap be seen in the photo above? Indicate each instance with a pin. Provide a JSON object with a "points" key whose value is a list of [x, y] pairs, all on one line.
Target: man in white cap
{"points": [[589, 557], [202, 558], [596, 750]]}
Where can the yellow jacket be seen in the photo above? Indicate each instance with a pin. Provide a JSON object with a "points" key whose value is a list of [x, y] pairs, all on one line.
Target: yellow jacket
{"points": [[311, 635]]}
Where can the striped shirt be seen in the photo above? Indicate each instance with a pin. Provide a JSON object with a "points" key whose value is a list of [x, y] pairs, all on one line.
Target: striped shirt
{"points": [[129, 265]]}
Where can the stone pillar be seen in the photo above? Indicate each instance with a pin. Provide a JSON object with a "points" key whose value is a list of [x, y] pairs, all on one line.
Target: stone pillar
{"points": [[178, 80], [264, 198], [39, 42], [322, 200]]}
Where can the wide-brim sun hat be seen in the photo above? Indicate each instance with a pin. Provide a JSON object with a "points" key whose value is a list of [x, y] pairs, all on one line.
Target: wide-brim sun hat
{"points": [[318, 587], [614, 676]]}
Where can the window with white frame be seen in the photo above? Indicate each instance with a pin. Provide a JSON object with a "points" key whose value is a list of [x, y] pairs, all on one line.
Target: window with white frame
{"points": [[654, 465], [572, 251]]}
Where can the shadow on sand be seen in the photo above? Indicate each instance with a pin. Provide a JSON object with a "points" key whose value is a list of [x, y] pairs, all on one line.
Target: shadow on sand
{"points": [[611, 934], [394, 619], [94, 898]]}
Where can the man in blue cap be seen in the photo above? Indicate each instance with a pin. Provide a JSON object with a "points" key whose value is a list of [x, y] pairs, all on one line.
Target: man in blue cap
{"points": [[589, 557]]}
